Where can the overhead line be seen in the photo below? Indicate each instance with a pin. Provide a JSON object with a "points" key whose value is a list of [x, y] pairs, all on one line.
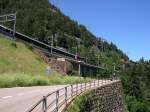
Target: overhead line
{"points": [[83, 63]]}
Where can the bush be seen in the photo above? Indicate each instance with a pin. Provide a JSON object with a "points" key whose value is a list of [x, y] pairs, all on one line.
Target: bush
{"points": [[13, 44]]}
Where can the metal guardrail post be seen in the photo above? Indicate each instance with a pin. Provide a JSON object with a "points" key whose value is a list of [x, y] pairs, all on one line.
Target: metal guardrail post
{"points": [[94, 83], [14, 27], [66, 95], [98, 83], [57, 100], [76, 89], [52, 44], [44, 106], [71, 91]]}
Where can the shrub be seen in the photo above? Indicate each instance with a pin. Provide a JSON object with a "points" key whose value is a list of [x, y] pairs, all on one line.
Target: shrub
{"points": [[13, 44]]}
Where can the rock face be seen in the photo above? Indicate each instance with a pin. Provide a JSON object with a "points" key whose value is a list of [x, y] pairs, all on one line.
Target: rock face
{"points": [[106, 99], [63, 67]]}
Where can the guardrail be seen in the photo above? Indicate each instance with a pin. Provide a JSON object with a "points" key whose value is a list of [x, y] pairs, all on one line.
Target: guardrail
{"points": [[58, 100]]}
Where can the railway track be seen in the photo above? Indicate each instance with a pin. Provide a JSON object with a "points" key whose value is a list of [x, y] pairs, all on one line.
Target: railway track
{"points": [[46, 48]]}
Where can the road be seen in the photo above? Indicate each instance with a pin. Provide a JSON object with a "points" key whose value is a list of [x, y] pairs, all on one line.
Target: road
{"points": [[20, 99]]}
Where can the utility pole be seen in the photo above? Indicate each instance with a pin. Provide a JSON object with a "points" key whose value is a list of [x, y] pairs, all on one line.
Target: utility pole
{"points": [[76, 53], [11, 17], [55, 39], [86, 59], [79, 70], [78, 46], [14, 27], [52, 44]]}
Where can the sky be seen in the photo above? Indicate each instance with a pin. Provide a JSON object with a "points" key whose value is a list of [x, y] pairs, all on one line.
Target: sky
{"points": [[123, 22]]}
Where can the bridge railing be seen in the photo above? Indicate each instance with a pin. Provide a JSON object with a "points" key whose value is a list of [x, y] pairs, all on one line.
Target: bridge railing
{"points": [[58, 100]]}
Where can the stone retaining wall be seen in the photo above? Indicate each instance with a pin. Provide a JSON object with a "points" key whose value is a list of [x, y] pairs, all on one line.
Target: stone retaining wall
{"points": [[108, 98]]}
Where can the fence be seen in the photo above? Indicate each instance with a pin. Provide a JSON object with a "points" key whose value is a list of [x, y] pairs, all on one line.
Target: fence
{"points": [[58, 100]]}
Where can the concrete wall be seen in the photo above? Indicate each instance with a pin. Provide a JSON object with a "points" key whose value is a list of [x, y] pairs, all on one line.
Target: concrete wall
{"points": [[106, 99]]}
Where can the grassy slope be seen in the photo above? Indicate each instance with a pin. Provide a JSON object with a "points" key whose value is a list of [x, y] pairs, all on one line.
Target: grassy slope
{"points": [[19, 59], [20, 66]]}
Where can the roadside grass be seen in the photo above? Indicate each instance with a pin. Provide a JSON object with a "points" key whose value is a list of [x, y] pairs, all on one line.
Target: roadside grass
{"points": [[59, 79], [23, 80]]}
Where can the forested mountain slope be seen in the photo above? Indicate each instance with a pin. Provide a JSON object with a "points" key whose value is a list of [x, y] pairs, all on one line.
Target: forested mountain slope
{"points": [[136, 83], [41, 20]]}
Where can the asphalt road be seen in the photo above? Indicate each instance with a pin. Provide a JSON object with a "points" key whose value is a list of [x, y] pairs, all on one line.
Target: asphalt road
{"points": [[20, 99]]}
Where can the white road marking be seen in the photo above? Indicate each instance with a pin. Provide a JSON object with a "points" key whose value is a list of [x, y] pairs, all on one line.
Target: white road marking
{"points": [[6, 97]]}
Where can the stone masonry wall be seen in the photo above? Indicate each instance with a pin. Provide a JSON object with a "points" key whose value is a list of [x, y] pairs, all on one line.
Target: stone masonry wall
{"points": [[106, 99]]}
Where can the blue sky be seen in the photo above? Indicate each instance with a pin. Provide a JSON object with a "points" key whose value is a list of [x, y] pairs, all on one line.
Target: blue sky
{"points": [[124, 22]]}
